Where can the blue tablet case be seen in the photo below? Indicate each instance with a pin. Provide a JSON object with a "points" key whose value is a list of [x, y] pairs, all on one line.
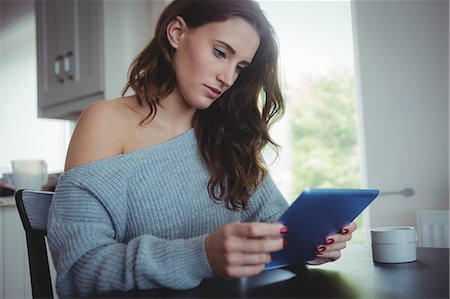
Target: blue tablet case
{"points": [[315, 215]]}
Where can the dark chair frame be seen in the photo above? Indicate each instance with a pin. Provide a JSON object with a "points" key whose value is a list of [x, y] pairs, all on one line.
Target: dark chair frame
{"points": [[41, 283]]}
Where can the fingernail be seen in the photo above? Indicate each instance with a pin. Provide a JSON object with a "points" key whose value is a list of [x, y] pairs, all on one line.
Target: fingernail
{"points": [[284, 230], [284, 243], [329, 241], [320, 249], [344, 231]]}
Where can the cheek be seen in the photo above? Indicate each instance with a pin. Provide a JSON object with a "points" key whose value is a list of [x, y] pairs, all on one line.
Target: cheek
{"points": [[201, 63], [194, 64], [190, 65]]}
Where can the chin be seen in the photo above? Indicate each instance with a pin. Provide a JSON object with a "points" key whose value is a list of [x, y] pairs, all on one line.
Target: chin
{"points": [[203, 107], [204, 104]]}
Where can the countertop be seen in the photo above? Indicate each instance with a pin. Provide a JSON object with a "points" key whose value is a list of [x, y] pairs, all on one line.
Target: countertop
{"points": [[8, 201]]}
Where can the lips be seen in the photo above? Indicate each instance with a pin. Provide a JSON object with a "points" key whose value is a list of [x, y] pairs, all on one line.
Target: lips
{"points": [[212, 92]]}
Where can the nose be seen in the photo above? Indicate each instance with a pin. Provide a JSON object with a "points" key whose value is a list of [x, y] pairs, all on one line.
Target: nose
{"points": [[227, 75]]}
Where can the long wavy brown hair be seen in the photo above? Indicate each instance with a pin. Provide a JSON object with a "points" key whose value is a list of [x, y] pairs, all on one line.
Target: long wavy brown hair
{"points": [[232, 133]]}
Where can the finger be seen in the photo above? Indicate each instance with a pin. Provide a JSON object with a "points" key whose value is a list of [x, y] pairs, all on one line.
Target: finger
{"points": [[241, 271], [257, 259], [349, 228], [319, 261], [330, 247], [256, 229], [261, 245], [344, 235], [335, 246], [337, 238], [331, 255], [248, 259]]}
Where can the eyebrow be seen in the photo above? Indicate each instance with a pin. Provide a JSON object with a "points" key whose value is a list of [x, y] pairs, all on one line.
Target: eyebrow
{"points": [[233, 51]]}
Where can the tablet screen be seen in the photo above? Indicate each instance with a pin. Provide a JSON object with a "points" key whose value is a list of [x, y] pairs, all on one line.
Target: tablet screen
{"points": [[315, 215]]}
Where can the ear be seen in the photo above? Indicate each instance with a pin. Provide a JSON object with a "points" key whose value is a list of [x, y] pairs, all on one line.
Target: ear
{"points": [[175, 31]]}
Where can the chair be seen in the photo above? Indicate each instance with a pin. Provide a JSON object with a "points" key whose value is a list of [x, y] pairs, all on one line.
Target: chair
{"points": [[33, 209]]}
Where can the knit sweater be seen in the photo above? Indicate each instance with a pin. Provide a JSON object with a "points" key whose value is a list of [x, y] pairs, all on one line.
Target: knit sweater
{"points": [[139, 220]]}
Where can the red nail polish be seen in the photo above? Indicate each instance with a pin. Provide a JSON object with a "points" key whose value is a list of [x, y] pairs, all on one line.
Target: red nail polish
{"points": [[284, 243], [284, 230], [321, 248], [344, 231], [329, 241]]}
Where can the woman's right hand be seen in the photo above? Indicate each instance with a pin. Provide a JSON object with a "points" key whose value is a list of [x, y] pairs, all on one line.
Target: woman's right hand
{"points": [[242, 249]]}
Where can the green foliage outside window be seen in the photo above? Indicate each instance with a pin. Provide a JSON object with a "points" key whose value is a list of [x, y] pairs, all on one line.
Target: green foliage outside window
{"points": [[323, 135]]}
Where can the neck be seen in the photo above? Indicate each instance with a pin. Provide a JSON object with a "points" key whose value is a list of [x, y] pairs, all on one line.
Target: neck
{"points": [[174, 113]]}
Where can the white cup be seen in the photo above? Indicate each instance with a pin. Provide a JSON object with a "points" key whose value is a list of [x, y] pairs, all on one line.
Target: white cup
{"points": [[394, 244], [29, 174]]}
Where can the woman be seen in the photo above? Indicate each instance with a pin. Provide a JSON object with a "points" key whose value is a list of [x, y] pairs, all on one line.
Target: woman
{"points": [[167, 186]]}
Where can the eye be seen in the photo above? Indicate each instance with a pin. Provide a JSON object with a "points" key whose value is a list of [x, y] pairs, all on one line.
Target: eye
{"points": [[219, 53], [239, 69]]}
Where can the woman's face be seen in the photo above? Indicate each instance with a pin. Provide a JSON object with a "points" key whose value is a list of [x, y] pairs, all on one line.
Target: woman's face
{"points": [[208, 59]]}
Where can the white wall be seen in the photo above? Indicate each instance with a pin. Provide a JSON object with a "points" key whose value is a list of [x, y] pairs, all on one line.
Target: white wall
{"points": [[402, 50], [22, 134], [128, 28]]}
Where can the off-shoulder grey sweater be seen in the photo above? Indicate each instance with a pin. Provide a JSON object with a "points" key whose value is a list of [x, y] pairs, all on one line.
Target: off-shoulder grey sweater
{"points": [[139, 220]]}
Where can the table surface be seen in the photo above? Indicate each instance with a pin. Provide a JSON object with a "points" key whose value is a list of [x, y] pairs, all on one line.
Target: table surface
{"points": [[355, 275]]}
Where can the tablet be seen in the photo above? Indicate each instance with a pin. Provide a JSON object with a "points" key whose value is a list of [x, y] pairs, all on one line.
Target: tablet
{"points": [[315, 215]]}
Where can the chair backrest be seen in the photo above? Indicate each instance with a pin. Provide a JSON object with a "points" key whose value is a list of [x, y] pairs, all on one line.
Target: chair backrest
{"points": [[33, 209]]}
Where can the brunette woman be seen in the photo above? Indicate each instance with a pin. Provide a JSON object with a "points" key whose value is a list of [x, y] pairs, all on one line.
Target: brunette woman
{"points": [[167, 186]]}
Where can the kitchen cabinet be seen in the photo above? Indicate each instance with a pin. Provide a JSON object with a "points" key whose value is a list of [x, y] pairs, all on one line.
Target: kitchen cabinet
{"points": [[84, 50], [69, 51]]}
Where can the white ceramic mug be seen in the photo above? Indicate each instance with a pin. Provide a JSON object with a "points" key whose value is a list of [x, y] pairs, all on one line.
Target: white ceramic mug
{"points": [[394, 244], [29, 174]]}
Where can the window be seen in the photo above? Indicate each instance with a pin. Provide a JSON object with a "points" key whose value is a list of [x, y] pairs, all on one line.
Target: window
{"points": [[318, 134]]}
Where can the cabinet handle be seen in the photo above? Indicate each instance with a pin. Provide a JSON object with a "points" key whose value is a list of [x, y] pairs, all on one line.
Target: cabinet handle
{"points": [[57, 68], [67, 65]]}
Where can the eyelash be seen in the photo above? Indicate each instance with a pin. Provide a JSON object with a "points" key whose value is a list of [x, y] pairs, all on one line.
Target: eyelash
{"points": [[221, 54]]}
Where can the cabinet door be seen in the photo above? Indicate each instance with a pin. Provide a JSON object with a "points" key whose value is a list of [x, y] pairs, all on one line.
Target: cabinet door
{"points": [[70, 56], [50, 27], [85, 59]]}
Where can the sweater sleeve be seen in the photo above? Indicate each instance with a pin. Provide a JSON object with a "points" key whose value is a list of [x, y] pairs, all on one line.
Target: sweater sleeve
{"points": [[267, 204], [86, 239]]}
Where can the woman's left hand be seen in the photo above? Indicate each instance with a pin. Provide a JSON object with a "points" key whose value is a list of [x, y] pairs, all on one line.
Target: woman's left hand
{"points": [[331, 249]]}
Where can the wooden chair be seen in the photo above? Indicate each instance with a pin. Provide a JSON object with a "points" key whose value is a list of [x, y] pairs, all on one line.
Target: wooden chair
{"points": [[33, 209]]}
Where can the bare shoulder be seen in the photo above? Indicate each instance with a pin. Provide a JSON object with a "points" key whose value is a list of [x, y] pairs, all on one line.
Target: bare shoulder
{"points": [[99, 133]]}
